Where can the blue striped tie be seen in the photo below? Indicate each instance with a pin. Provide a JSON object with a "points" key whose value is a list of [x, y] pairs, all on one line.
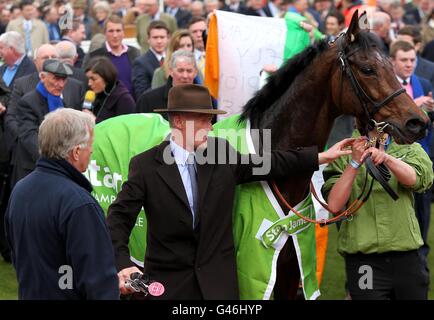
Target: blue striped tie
{"points": [[193, 180], [28, 31]]}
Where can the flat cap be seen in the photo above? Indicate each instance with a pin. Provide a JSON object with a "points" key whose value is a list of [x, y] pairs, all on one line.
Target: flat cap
{"points": [[57, 68]]}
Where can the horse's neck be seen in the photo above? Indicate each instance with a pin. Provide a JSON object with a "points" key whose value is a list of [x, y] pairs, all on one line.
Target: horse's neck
{"points": [[305, 119], [306, 114]]}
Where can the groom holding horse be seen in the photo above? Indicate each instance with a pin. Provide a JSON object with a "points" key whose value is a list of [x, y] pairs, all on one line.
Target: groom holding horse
{"points": [[189, 201]]}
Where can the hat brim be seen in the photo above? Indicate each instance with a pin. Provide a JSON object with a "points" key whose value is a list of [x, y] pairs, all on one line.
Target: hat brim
{"points": [[60, 75], [204, 111]]}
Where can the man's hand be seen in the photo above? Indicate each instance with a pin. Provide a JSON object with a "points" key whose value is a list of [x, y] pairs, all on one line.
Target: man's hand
{"points": [[123, 276], [2, 109], [308, 28], [338, 150], [425, 102]]}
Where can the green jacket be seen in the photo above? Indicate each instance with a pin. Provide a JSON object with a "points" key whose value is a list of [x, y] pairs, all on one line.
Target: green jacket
{"points": [[382, 224]]}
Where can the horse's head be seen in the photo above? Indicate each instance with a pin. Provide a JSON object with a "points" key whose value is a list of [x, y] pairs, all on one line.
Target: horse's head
{"points": [[365, 85]]}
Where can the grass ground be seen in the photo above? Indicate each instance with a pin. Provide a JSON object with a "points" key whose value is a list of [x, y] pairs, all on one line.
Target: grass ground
{"points": [[332, 287]]}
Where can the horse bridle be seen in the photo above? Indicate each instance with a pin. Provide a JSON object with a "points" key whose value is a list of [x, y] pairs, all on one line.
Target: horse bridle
{"points": [[361, 94], [382, 174]]}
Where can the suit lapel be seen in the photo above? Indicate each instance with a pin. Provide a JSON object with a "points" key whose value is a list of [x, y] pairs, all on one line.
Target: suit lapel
{"points": [[204, 173], [170, 174]]}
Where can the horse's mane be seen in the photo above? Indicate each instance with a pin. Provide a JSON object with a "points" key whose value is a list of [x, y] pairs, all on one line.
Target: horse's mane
{"points": [[279, 82]]}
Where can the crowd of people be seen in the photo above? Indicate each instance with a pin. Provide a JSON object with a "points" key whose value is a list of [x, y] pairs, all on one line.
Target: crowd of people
{"points": [[47, 71]]}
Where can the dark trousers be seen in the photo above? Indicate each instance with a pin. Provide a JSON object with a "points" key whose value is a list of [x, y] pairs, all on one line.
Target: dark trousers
{"points": [[422, 206], [387, 276]]}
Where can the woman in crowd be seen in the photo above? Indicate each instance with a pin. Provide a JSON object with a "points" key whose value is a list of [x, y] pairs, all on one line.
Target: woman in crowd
{"points": [[112, 97]]}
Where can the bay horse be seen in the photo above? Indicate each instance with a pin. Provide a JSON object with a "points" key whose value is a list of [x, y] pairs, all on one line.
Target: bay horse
{"points": [[301, 100]]}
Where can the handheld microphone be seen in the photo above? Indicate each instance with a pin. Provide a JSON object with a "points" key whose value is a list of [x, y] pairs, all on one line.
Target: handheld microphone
{"points": [[89, 98]]}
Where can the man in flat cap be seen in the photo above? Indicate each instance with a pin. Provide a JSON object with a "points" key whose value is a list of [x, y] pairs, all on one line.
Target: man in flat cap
{"points": [[32, 108], [188, 201]]}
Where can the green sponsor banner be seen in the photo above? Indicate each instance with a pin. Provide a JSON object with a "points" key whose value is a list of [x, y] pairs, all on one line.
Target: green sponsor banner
{"points": [[289, 224]]}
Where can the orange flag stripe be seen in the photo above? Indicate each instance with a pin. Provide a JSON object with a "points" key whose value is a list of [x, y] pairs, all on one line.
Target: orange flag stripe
{"points": [[212, 67]]}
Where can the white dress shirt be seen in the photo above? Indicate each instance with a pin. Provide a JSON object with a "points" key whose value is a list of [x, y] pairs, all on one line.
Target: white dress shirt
{"points": [[181, 156]]}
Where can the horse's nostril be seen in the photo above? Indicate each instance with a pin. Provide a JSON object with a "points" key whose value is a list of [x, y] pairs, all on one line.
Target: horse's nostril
{"points": [[415, 125]]}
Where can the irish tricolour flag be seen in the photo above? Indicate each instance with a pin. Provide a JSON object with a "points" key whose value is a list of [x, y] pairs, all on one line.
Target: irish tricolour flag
{"points": [[239, 46]]}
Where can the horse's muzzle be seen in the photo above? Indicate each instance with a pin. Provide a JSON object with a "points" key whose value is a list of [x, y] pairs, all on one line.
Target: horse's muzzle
{"points": [[416, 128]]}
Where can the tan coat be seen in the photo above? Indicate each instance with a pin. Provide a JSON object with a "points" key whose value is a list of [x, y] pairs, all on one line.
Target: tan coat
{"points": [[39, 34]]}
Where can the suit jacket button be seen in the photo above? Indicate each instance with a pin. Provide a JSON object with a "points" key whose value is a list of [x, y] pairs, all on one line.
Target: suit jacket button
{"points": [[198, 268]]}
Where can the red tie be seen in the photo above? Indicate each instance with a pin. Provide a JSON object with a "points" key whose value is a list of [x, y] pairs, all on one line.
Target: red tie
{"points": [[161, 61]]}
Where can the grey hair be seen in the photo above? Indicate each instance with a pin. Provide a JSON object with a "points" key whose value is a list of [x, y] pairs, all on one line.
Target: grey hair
{"points": [[62, 130], [379, 19], [182, 55], [103, 5], [66, 49], [14, 40]]}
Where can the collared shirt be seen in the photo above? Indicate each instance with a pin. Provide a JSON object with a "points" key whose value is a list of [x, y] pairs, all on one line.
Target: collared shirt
{"points": [[27, 25], [382, 224], [157, 55], [172, 11], [156, 17], [273, 9], [261, 12], [109, 49], [181, 156], [10, 72], [408, 88]]}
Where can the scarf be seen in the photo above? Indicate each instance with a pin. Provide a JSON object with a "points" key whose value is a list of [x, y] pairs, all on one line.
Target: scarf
{"points": [[54, 102]]}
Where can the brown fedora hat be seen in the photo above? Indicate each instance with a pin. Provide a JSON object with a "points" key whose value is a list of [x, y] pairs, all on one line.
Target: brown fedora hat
{"points": [[190, 98]]}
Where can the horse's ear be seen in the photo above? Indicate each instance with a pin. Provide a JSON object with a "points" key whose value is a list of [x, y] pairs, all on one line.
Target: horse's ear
{"points": [[354, 28]]}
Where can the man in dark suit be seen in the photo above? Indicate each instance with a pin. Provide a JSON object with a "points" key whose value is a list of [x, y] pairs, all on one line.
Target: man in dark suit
{"points": [[182, 16], [76, 35], [32, 108], [16, 64], [424, 68], [121, 55], [145, 65], [187, 192], [73, 95]]}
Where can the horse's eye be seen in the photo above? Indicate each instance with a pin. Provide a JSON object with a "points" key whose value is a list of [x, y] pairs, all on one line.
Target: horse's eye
{"points": [[367, 70]]}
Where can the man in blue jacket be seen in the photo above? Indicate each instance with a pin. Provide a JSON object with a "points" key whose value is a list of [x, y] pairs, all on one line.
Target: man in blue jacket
{"points": [[60, 245]]}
